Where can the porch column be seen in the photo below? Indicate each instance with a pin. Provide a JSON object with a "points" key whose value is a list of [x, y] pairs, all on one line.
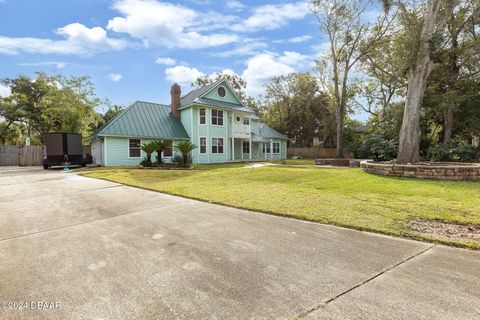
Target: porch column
{"points": [[242, 148], [271, 149], [250, 140], [233, 148]]}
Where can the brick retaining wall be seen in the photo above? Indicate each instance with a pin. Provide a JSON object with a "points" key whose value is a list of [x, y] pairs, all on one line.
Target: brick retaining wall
{"points": [[437, 171]]}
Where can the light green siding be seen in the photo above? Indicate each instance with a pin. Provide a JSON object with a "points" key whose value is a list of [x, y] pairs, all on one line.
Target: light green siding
{"points": [[117, 152], [276, 156], [230, 97], [255, 126], [208, 131]]}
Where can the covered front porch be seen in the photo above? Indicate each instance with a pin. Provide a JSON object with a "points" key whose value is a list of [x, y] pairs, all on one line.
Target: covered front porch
{"points": [[245, 149]]}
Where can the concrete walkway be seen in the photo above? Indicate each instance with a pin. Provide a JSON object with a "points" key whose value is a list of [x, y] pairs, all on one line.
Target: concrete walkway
{"points": [[91, 249]]}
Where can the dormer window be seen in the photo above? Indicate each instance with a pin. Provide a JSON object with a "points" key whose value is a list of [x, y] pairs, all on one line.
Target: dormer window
{"points": [[222, 92]]}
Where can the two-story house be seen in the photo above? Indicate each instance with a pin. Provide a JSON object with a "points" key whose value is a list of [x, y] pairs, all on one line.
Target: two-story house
{"points": [[211, 117]]}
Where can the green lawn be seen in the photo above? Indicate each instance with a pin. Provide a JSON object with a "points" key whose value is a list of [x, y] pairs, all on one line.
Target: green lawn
{"points": [[295, 162], [345, 197]]}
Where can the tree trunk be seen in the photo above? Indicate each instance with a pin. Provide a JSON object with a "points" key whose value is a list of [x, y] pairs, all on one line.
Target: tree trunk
{"points": [[409, 147], [340, 131], [454, 71], [448, 126]]}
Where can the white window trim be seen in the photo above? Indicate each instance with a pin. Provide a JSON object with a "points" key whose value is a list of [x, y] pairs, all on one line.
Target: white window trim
{"points": [[279, 145], [265, 150], [248, 144], [199, 116], [128, 148], [211, 118], [200, 145], [226, 92], [173, 151], [211, 146]]}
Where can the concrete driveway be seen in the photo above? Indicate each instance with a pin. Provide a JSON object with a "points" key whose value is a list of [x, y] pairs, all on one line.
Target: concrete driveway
{"points": [[82, 248]]}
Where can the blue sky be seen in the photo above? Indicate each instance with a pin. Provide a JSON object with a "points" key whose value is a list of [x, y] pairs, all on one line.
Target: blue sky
{"points": [[134, 49]]}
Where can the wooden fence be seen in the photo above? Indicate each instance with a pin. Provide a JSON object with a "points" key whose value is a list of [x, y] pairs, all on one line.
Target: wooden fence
{"points": [[312, 153], [21, 155], [27, 155]]}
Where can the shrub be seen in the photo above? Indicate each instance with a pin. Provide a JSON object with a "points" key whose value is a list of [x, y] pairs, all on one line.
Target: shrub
{"points": [[148, 148], [378, 148], [146, 163], [178, 161], [185, 147], [453, 151]]}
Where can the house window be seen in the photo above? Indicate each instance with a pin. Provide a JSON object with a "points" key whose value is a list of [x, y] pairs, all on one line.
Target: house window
{"points": [[246, 121], [246, 147], [168, 152], [266, 147], [276, 147], [134, 148], [203, 116], [203, 145], [217, 145], [222, 92], [217, 117]]}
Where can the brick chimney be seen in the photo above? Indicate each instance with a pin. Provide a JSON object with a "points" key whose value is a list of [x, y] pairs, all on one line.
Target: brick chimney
{"points": [[176, 92]]}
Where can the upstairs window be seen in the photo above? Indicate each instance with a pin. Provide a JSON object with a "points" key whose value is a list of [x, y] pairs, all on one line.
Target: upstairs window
{"points": [[276, 147], [246, 147], [167, 152], [266, 147], [246, 121], [203, 116], [203, 145], [217, 145], [217, 117], [134, 148]]}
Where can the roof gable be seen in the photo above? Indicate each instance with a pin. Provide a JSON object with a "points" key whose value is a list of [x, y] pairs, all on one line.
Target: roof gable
{"points": [[208, 96], [231, 97], [145, 119]]}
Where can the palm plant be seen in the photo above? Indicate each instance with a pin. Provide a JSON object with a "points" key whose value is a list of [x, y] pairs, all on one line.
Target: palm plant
{"points": [[148, 148], [160, 145], [185, 147]]}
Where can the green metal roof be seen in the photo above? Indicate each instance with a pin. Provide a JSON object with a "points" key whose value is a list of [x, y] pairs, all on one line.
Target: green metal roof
{"points": [[146, 120], [222, 104], [257, 138], [192, 95], [268, 133]]}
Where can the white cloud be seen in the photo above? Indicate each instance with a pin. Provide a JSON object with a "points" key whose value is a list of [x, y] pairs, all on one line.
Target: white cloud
{"points": [[115, 77], [261, 69], [321, 48], [166, 61], [273, 16], [56, 64], [182, 75], [299, 39], [235, 5], [169, 25], [245, 48], [292, 58], [79, 39], [4, 91]]}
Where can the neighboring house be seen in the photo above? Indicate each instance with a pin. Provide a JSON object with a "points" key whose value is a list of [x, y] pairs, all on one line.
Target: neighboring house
{"points": [[211, 117]]}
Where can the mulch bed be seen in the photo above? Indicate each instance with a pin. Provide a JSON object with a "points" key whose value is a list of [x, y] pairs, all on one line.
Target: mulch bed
{"points": [[454, 231]]}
